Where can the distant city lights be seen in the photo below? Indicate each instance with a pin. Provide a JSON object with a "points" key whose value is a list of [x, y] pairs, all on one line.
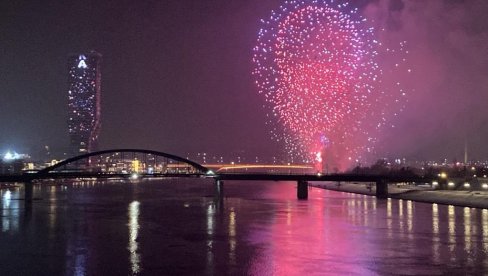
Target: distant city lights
{"points": [[10, 156]]}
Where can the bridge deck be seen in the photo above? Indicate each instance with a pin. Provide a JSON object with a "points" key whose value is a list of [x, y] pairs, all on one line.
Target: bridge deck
{"points": [[322, 177], [226, 176]]}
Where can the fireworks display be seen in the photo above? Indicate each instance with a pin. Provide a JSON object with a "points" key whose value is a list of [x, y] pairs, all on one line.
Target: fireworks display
{"points": [[316, 63]]}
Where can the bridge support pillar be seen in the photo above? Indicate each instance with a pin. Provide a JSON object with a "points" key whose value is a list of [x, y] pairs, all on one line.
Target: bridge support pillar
{"points": [[381, 189], [219, 188], [302, 189], [28, 191]]}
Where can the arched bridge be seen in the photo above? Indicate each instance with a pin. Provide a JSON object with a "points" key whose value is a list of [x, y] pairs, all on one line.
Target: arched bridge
{"points": [[123, 162], [126, 163]]}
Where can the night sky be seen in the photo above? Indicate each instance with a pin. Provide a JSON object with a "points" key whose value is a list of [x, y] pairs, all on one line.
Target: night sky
{"points": [[176, 75]]}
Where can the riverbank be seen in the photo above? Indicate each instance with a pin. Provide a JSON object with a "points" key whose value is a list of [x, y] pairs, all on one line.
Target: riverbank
{"points": [[474, 199]]}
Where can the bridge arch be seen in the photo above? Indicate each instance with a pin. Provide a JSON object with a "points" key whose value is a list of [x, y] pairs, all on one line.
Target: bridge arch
{"points": [[156, 157]]}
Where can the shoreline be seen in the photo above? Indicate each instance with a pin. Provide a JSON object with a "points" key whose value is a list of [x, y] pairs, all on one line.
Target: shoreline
{"points": [[471, 199]]}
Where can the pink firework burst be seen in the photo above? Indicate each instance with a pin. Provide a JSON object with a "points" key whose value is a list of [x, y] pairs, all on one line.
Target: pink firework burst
{"points": [[316, 65]]}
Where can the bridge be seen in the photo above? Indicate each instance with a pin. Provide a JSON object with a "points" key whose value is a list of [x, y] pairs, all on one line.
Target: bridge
{"points": [[135, 163]]}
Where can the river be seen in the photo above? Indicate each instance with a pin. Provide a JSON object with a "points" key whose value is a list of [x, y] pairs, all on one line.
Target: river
{"points": [[178, 227]]}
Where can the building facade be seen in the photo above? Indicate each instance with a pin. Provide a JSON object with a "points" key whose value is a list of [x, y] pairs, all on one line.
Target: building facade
{"points": [[84, 88]]}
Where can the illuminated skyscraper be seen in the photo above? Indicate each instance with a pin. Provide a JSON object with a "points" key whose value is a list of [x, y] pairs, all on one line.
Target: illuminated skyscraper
{"points": [[84, 101]]}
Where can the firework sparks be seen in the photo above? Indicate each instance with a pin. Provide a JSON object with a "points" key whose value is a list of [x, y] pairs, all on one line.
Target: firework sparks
{"points": [[316, 65]]}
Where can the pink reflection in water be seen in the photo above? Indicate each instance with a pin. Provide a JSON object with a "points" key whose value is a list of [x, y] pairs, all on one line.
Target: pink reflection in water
{"points": [[311, 236]]}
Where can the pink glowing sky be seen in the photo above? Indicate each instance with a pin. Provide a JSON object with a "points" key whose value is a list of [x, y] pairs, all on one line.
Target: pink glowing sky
{"points": [[177, 75]]}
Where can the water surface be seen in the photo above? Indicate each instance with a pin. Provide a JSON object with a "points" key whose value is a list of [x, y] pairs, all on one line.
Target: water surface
{"points": [[178, 227]]}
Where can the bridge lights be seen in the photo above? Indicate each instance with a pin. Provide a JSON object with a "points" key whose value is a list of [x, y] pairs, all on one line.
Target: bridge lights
{"points": [[443, 175], [451, 184], [435, 183], [484, 186], [467, 185], [134, 176]]}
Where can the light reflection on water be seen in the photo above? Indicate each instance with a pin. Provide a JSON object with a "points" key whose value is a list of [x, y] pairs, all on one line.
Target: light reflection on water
{"points": [[258, 228], [484, 221], [452, 231], [133, 247], [401, 220], [435, 232], [52, 208], [389, 218], [232, 237], [409, 217], [210, 238], [467, 230], [10, 210]]}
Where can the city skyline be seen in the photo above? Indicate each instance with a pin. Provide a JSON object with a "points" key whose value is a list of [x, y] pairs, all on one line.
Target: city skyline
{"points": [[257, 137], [178, 79]]}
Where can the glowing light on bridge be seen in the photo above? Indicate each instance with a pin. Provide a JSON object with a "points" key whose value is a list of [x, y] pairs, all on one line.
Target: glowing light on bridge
{"points": [[316, 65], [269, 167]]}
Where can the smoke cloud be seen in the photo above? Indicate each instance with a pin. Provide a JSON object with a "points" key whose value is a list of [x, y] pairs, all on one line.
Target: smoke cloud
{"points": [[447, 88]]}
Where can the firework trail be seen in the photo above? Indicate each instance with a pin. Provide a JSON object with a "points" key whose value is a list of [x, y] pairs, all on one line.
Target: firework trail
{"points": [[316, 65]]}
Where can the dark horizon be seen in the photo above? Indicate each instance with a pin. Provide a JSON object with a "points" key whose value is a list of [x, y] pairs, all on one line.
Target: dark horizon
{"points": [[176, 76]]}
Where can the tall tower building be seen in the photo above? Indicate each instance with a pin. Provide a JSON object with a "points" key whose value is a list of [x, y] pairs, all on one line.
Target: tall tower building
{"points": [[84, 101]]}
